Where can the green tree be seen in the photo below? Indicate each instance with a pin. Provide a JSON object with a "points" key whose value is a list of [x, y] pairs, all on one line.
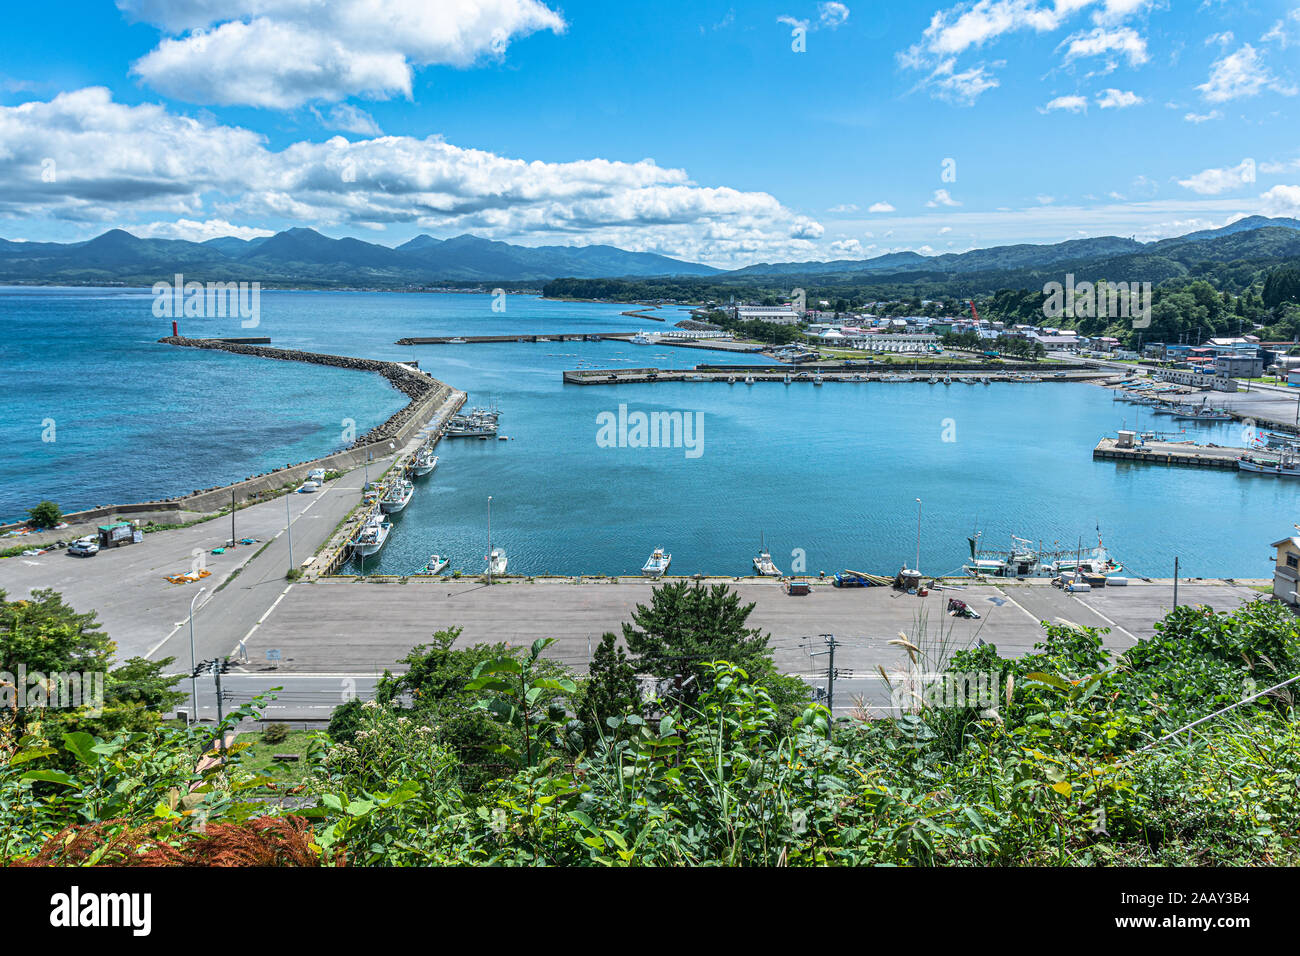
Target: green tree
{"points": [[610, 690], [44, 515]]}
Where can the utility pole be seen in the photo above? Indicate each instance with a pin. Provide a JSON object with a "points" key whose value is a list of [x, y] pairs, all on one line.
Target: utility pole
{"points": [[831, 671], [917, 566], [288, 527], [489, 559], [1175, 582], [194, 684], [216, 668]]}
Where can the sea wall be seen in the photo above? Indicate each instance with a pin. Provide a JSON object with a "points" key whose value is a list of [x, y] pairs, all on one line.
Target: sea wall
{"points": [[429, 398]]}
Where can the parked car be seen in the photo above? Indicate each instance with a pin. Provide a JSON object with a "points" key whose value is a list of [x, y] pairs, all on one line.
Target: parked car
{"points": [[308, 487], [317, 475], [86, 547]]}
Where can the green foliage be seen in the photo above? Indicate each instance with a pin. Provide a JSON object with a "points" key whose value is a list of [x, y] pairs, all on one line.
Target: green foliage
{"points": [[276, 733], [44, 515]]}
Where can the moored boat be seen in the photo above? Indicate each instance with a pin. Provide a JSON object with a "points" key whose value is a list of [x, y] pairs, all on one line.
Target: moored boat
{"points": [[397, 497], [372, 536], [657, 563]]}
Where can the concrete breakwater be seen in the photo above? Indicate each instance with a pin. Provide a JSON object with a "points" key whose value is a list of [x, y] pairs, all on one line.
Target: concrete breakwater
{"points": [[418, 386], [427, 397]]}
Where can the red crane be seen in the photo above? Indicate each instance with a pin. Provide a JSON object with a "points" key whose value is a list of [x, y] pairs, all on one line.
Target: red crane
{"points": [[975, 315]]}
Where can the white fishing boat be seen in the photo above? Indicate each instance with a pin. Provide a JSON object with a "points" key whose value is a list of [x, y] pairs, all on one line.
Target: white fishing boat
{"points": [[817, 379], [1024, 560], [1284, 466], [397, 497], [749, 380], [424, 462], [456, 341], [787, 379], [642, 338], [437, 564], [657, 563], [764, 565], [497, 561], [372, 536]]}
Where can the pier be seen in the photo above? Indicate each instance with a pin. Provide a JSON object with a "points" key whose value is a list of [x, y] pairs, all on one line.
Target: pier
{"points": [[532, 337], [1171, 453], [804, 374]]}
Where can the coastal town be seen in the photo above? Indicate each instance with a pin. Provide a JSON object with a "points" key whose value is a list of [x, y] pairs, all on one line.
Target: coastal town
{"points": [[621, 437]]}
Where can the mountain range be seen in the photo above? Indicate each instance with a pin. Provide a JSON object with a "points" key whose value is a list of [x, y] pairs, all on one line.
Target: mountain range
{"points": [[305, 258]]}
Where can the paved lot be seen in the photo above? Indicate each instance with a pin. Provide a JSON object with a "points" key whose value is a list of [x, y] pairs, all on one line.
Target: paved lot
{"points": [[140, 609], [361, 627]]}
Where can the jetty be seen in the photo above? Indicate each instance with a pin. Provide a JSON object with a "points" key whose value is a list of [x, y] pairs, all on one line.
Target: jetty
{"points": [[803, 374], [1170, 453], [517, 337]]}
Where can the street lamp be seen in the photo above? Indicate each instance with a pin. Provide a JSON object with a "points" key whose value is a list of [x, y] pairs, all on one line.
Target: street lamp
{"points": [[918, 535], [194, 680], [288, 527]]}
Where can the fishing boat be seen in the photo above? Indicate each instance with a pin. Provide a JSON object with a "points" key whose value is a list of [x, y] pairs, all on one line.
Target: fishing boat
{"points": [[456, 341], [464, 427], [497, 561], [397, 497], [817, 379], [787, 378], [1203, 413], [372, 536], [1284, 466], [1025, 560], [424, 462], [656, 564], [642, 338], [749, 380], [763, 564], [437, 564], [731, 380], [934, 379]]}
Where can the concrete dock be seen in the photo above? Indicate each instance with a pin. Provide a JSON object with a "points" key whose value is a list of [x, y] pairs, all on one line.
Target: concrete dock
{"points": [[1171, 453]]}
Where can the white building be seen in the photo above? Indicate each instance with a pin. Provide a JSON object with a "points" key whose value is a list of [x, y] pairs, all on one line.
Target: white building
{"points": [[776, 314]]}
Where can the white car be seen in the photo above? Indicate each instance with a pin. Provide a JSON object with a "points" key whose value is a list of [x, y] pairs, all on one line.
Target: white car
{"points": [[317, 475], [86, 547]]}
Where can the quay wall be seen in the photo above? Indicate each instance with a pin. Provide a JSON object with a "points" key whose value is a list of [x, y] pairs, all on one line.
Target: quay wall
{"points": [[428, 397]]}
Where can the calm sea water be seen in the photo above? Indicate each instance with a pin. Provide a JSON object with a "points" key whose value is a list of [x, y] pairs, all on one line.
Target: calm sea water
{"points": [[830, 473]]}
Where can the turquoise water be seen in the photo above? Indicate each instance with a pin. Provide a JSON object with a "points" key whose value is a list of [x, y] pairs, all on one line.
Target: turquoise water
{"points": [[832, 471]]}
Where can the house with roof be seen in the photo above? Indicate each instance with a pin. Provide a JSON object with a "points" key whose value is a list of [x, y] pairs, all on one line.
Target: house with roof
{"points": [[1286, 570]]}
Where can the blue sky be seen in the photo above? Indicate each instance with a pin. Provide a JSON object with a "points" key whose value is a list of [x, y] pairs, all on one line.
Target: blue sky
{"points": [[713, 131]]}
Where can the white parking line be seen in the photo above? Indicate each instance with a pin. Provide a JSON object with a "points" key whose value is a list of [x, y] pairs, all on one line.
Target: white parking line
{"points": [[1105, 618]]}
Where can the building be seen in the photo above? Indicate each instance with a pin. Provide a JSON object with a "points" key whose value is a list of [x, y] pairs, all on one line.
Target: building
{"points": [[1286, 570], [776, 314], [1196, 379], [1239, 366]]}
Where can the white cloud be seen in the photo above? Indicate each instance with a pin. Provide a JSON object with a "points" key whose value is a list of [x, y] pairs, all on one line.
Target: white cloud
{"points": [[1071, 104], [832, 15], [1241, 74], [941, 198], [281, 54], [1220, 39], [1282, 201], [1118, 99], [350, 119], [1199, 118], [968, 26], [118, 164], [846, 247], [1211, 182], [1124, 41], [844, 207], [196, 231], [1280, 32], [880, 207]]}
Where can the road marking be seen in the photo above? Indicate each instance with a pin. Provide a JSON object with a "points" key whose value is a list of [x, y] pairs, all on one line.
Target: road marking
{"points": [[1105, 618], [202, 604], [261, 620], [1019, 605]]}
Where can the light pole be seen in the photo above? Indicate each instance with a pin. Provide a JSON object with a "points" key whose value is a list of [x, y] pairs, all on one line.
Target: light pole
{"points": [[288, 527], [918, 535], [489, 559], [194, 680]]}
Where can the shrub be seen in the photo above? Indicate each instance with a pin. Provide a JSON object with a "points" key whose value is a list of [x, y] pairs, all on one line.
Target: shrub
{"points": [[276, 733], [44, 515]]}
